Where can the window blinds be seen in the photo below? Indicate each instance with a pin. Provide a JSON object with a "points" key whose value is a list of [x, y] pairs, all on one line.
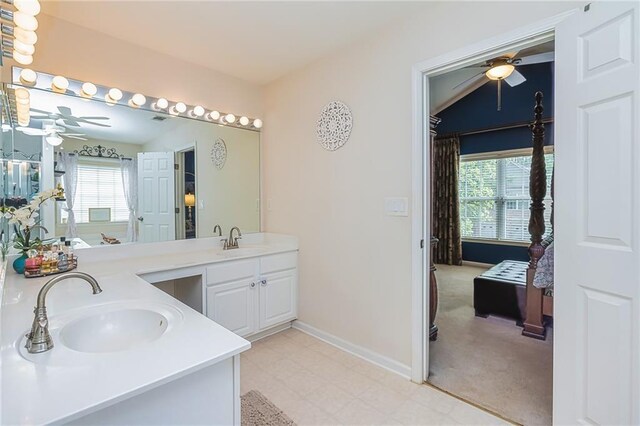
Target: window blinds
{"points": [[494, 198], [99, 187]]}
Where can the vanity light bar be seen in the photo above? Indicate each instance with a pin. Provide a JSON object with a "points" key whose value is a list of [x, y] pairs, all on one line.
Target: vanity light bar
{"points": [[115, 96], [23, 30]]}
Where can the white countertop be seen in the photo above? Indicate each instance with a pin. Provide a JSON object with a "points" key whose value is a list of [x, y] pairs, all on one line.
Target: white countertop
{"points": [[62, 384]]}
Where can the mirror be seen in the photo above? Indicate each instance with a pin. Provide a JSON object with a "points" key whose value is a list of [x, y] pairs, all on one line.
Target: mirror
{"points": [[131, 174]]}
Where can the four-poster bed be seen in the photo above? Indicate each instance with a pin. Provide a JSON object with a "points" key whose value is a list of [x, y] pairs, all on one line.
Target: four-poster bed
{"points": [[508, 289]]}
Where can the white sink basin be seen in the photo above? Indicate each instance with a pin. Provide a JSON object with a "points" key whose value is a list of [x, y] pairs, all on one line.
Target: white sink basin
{"points": [[244, 251], [113, 331]]}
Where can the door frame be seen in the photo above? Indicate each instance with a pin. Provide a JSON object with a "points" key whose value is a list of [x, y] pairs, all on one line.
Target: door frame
{"points": [[181, 216], [535, 33]]}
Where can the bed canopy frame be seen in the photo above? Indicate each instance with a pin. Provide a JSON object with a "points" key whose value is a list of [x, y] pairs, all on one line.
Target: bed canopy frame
{"points": [[539, 305]]}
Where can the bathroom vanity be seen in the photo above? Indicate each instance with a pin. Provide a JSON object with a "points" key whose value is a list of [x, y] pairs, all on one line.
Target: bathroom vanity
{"points": [[133, 353]]}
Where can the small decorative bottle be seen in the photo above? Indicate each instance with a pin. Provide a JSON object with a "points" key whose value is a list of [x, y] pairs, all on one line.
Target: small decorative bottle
{"points": [[63, 263]]}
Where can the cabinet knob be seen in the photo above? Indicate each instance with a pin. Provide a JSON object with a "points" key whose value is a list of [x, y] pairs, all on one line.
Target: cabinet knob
{"points": [[253, 285], [263, 282]]}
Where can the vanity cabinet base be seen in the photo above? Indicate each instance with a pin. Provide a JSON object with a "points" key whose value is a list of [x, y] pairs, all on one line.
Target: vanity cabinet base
{"points": [[207, 396]]}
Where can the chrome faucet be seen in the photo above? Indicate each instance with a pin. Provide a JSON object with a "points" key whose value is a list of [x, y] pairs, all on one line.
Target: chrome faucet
{"points": [[232, 243], [219, 229], [39, 340]]}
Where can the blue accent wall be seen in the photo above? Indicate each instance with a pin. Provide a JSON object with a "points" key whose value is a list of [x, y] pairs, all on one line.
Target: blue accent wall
{"points": [[479, 110]]}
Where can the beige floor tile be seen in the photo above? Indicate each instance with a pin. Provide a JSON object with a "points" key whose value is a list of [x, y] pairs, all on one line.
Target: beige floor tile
{"points": [[384, 399], [330, 398], [359, 413], [303, 382], [317, 384]]}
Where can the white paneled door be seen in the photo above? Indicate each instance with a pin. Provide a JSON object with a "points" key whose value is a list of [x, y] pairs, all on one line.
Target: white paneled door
{"points": [[156, 200], [597, 191]]}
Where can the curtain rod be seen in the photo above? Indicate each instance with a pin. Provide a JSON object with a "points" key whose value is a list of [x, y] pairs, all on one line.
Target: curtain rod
{"points": [[495, 128]]}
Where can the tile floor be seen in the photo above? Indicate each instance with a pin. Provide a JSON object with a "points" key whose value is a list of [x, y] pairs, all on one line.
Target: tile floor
{"points": [[315, 383]]}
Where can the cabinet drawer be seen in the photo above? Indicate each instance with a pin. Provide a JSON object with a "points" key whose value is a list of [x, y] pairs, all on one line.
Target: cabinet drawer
{"points": [[278, 262], [230, 271]]}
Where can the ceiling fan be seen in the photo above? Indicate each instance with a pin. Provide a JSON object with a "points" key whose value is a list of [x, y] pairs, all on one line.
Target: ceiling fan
{"points": [[54, 135], [65, 117], [503, 68]]}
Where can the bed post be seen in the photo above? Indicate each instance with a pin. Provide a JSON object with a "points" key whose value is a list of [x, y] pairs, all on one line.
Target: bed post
{"points": [[534, 320]]}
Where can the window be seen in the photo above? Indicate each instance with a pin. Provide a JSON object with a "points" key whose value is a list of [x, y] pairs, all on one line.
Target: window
{"points": [[494, 197], [99, 186]]}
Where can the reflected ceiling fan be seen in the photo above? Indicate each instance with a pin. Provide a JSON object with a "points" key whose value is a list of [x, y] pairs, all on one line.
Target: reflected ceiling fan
{"points": [[65, 117], [54, 135], [504, 68]]}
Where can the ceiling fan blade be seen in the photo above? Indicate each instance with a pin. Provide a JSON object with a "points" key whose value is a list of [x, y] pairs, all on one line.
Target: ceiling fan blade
{"points": [[93, 123], [468, 80], [537, 59], [86, 117], [31, 131], [515, 78], [70, 122], [39, 117], [39, 111], [74, 137]]}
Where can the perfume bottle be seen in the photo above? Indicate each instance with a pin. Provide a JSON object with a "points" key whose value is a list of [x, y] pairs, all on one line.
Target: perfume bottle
{"points": [[63, 263], [68, 250], [33, 262]]}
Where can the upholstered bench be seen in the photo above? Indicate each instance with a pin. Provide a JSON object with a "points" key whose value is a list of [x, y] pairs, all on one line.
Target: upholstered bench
{"points": [[502, 291]]}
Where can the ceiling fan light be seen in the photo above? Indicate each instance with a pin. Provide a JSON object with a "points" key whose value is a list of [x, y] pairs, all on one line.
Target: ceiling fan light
{"points": [[25, 36], [54, 140], [500, 72], [27, 22], [28, 77], [22, 59], [59, 84]]}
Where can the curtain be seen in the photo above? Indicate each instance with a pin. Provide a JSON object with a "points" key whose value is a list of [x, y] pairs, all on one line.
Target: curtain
{"points": [[129, 169], [69, 163], [446, 200]]}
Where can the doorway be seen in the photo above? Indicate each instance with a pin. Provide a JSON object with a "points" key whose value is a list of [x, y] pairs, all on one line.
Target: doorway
{"points": [[186, 220], [598, 126]]}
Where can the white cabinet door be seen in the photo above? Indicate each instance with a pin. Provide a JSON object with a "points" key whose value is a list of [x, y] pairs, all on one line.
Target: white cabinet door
{"points": [[232, 305], [278, 298]]}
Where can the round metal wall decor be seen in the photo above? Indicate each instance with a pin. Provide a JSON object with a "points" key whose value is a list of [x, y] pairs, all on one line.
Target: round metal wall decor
{"points": [[219, 153], [334, 125]]}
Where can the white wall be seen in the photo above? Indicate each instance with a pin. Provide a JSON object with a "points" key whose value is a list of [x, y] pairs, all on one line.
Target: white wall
{"points": [[355, 280], [76, 52], [229, 196]]}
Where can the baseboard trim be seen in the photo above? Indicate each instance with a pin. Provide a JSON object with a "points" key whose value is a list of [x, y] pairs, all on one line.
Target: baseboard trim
{"points": [[477, 264], [266, 333], [363, 353]]}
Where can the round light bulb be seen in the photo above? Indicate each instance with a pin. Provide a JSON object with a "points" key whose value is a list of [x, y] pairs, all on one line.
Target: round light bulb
{"points": [[88, 90], [138, 100], [28, 77], [500, 72], [25, 36], [23, 123], [257, 123], [22, 103], [230, 118], [21, 93], [198, 111], [181, 107], [22, 59], [114, 95], [24, 21], [54, 140], [162, 103], [244, 120], [214, 115], [59, 84], [24, 48], [28, 7]]}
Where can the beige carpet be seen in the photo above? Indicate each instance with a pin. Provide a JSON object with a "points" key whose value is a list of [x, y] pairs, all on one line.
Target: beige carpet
{"points": [[257, 410], [486, 360]]}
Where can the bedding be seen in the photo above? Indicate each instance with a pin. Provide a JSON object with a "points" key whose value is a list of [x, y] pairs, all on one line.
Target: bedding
{"points": [[543, 277]]}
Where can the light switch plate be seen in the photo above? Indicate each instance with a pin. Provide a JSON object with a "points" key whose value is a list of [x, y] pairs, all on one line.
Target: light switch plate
{"points": [[396, 206]]}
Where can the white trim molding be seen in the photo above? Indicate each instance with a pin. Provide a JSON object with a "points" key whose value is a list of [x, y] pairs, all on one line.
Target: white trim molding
{"points": [[363, 353], [526, 36]]}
